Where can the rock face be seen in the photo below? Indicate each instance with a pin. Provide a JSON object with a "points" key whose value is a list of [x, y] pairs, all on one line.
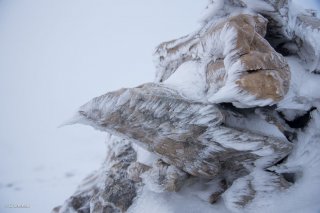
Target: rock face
{"points": [[289, 30], [223, 135], [239, 64]]}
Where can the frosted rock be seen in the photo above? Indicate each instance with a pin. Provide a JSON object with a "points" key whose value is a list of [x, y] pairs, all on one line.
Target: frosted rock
{"points": [[186, 134], [291, 29], [164, 177], [135, 170], [251, 188], [219, 189], [240, 65], [207, 120], [109, 189]]}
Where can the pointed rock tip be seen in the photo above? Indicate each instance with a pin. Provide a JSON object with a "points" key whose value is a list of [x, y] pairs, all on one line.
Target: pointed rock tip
{"points": [[75, 119]]}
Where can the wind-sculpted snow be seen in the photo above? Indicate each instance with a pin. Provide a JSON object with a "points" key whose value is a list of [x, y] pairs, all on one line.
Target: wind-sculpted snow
{"points": [[189, 135]]}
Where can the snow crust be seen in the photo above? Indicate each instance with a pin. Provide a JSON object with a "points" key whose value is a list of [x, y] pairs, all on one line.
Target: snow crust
{"points": [[189, 80], [189, 200]]}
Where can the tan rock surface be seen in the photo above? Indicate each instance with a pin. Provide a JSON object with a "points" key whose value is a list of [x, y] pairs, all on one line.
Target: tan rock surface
{"points": [[238, 56]]}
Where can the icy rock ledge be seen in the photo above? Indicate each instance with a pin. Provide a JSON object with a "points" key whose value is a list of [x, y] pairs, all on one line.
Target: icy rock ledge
{"points": [[230, 124], [191, 136]]}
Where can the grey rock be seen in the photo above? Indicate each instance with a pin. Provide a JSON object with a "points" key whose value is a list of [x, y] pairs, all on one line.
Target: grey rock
{"points": [[135, 170], [108, 190], [164, 177]]}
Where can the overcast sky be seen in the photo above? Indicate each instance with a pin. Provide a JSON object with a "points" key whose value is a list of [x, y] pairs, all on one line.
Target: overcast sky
{"points": [[55, 55]]}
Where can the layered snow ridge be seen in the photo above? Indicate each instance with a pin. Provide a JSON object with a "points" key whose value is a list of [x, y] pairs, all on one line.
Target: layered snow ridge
{"points": [[230, 123]]}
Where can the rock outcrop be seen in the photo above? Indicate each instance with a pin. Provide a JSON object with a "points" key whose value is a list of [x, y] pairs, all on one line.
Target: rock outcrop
{"points": [[225, 135], [240, 66], [189, 135], [109, 189]]}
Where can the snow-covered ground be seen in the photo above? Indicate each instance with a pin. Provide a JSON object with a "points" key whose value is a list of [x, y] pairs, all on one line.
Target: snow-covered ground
{"points": [[55, 56]]}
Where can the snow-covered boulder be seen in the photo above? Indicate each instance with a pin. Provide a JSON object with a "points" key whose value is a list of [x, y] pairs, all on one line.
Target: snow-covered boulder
{"points": [[230, 124], [237, 63]]}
